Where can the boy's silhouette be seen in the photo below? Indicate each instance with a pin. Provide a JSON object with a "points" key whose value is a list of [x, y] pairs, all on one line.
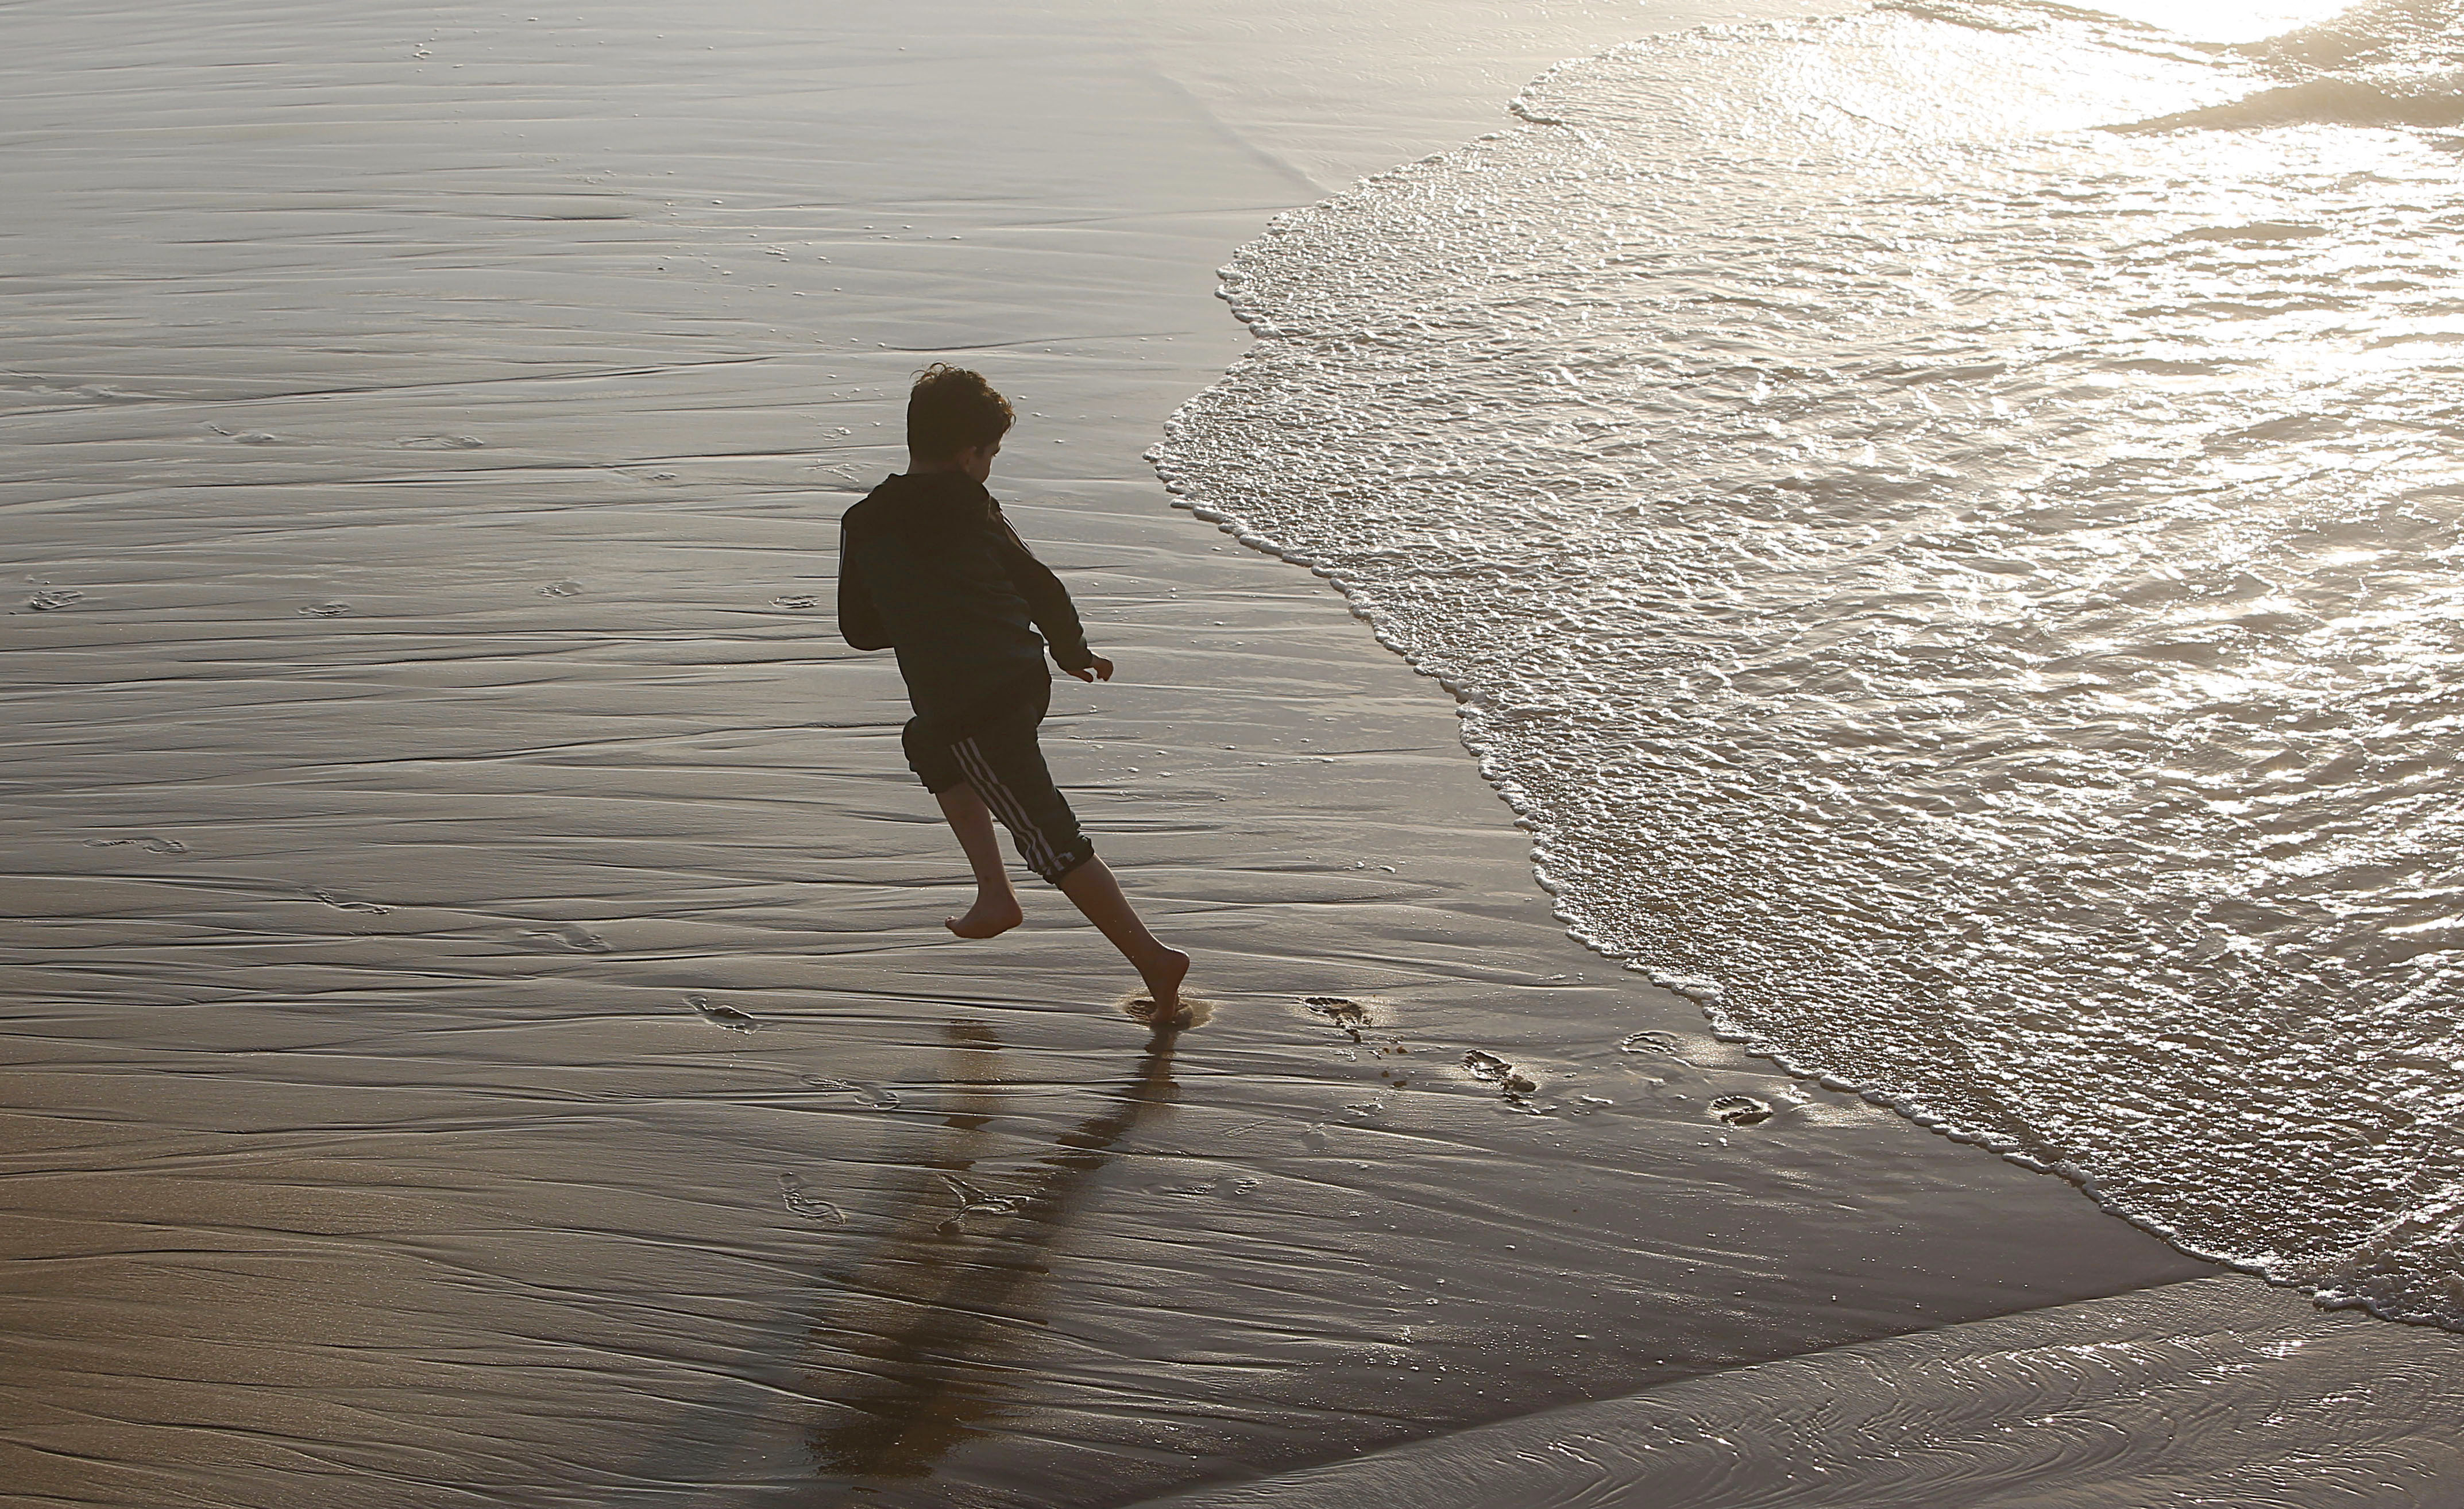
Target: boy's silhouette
{"points": [[928, 565]]}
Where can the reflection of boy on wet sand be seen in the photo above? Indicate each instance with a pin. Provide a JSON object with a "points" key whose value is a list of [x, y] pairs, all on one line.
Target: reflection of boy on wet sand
{"points": [[928, 564], [920, 1347]]}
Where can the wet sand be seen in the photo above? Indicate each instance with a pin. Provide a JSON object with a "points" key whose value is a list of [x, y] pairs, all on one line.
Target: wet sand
{"points": [[479, 1024]]}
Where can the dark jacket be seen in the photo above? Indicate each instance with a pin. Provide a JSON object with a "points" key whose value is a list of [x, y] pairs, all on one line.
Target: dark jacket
{"points": [[928, 564]]}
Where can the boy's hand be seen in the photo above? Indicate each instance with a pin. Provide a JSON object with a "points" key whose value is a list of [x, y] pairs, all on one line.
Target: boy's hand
{"points": [[1098, 670]]}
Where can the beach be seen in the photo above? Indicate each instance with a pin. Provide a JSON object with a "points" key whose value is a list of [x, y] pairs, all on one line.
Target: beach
{"points": [[478, 1019]]}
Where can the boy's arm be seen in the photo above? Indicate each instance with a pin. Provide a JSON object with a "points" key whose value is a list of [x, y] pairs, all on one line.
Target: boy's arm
{"points": [[859, 615], [1047, 601]]}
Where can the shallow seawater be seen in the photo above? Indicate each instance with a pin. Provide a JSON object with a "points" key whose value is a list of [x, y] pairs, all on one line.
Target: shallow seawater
{"points": [[1943, 521], [2178, 1396]]}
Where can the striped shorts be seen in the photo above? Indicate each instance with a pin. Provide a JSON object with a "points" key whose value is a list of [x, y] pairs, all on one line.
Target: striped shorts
{"points": [[994, 752]]}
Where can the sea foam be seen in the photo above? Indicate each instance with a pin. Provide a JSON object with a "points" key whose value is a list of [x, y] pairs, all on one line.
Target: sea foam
{"points": [[1943, 521]]}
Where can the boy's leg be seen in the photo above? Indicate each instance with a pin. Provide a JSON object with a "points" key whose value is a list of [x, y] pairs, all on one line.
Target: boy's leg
{"points": [[1093, 890], [996, 910], [1004, 764]]}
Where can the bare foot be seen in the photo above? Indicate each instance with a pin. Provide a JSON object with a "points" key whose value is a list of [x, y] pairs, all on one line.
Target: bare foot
{"points": [[1163, 975], [989, 918]]}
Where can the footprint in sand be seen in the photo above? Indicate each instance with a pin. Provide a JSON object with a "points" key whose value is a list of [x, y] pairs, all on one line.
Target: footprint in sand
{"points": [[1489, 1069], [53, 599], [568, 587], [440, 442], [153, 845], [1662, 1044], [325, 610], [796, 603], [726, 1016], [811, 1207], [1742, 1110], [1349, 1015], [973, 1200], [871, 1094], [572, 935], [345, 904]]}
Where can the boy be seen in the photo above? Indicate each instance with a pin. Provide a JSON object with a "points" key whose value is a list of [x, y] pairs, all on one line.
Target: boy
{"points": [[928, 564]]}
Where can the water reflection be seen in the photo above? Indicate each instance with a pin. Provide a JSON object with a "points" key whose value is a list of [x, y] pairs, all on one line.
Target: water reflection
{"points": [[913, 1362]]}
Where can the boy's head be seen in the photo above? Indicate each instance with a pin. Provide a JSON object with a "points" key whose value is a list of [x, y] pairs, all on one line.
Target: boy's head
{"points": [[954, 420]]}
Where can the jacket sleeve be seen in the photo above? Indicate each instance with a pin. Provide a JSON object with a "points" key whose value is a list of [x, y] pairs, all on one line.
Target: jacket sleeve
{"points": [[859, 615], [1047, 601]]}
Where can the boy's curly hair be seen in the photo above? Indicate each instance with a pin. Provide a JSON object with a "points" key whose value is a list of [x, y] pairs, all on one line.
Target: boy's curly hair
{"points": [[953, 410]]}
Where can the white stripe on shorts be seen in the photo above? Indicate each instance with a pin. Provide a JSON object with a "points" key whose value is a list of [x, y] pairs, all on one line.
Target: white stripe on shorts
{"points": [[1031, 842]]}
